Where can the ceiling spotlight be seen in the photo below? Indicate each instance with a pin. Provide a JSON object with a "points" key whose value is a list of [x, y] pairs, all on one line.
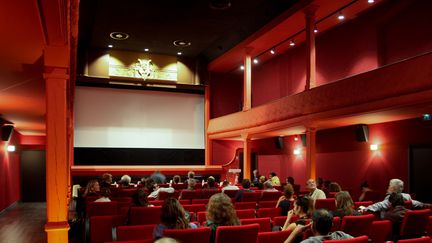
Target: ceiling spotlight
{"points": [[220, 4], [146, 49], [292, 43], [341, 16], [119, 35], [241, 67], [110, 46], [182, 43], [297, 151], [255, 61], [315, 30], [11, 148], [374, 147], [179, 53], [295, 138], [371, 1], [272, 51]]}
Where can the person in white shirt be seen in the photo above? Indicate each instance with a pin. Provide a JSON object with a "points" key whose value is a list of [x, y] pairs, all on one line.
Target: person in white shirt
{"points": [[314, 192], [105, 193], [227, 186]]}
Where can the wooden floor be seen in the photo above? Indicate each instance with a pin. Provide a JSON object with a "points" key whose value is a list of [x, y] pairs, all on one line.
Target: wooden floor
{"points": [[23, 223]]}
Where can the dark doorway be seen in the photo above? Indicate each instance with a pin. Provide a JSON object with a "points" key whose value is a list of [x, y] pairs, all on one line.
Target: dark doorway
{"points": [[33, 182], [253, 160], [420, 165]]}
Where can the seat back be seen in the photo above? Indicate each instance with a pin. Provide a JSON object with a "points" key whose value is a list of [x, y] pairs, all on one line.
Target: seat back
{"points": [[188, 194], [359, 239], [426, 239], [200, 201], [363, 203], [230, 193], [101, 208], [429, 227], [326, 203], [199, 235], [381, 231], [279, 220], [126, 192], [269, 212], [270, 196], [357, 225], [264, 223], [201, 217], [251, 196], [245, 205], [135, 232], [144, 215], [195, 207], [267, 204], [232, 234], [101, 229], [208, 193], [164, 195], [414, 223], [179, 187], [245, 213], [278, 236], [336, 224]]}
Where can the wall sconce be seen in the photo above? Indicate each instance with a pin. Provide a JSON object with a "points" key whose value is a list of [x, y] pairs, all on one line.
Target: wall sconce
{"points": [[11, 148], [296, 151], [374, 147]]}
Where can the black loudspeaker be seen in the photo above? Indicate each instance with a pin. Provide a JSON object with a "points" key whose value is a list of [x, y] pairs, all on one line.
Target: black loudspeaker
{"points": [[279, 142], [362, 133], [303, 139], [6, 132]]}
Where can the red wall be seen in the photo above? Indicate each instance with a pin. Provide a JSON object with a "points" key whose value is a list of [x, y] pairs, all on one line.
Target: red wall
{"points": [[226, 93], [9, 173]]}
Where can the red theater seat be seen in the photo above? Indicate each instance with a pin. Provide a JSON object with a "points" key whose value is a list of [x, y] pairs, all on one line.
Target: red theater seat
{"points": [[101, 229], [234, 234], [414, 223], [245, 213], [426, 239], [245, 205], [195, 207], [199, 235], [251, 196], [357, 225], [135, 232], [270, 237], [144, 215], [267, 204], [101, 208], [381, 231], [264, 223], [269, 212], [360, 239], [327, 203], [270, 196]]}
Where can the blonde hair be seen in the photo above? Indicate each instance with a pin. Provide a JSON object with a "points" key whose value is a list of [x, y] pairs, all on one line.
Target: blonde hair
{"points": [[90, 187], [344, 202]]}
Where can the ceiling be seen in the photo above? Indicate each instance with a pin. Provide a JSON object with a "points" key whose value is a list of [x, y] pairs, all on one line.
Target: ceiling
{"points": [[157, 24]]}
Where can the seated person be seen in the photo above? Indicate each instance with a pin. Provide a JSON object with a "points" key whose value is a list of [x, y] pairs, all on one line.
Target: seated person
{"points": [[314, 192], [396, 213], [246, 183], [173, 216], [320, 226], [177, 179], [125, 181], [284, 201], [299, 215], [158, 177], [226, 186], [140, 198], [105, 193], [156, 190], [92, 189], [334, 187], [274, 179], [220, 212], [106, 180], [211, 183], [268, 187], [344, 205]]}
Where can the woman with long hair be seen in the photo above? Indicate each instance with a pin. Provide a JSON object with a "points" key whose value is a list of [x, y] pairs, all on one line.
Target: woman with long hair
{"points": [[300, 214], [286, 199], [220, 212], [344, 205], [92, 189], [173, 216]]}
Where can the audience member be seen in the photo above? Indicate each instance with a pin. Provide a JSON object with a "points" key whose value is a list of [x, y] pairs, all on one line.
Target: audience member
{"points": [[314, 192], [320, 183], [92, 189], [268, 187], [140, 198], [344, 205], [211, 183], [395, 185], [364, 187], [166, 240], [334, 187], [274, 179], [191, 181], [299, 214], [158, 177], [220, 212], [177, 179], [246, 183], [226, 186], [290, 180], [320, 226], [106, 180], [105, 193], [125, 181], [396, 213], [284, 201], [173, 216], [156, 190], [261, 181], [256, 178]]}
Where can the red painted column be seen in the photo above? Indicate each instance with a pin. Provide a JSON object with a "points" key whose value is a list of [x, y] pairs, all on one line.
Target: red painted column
{"points": [[310, 47], [247, 79], [311, 152], [246, 157], [208, 141]]}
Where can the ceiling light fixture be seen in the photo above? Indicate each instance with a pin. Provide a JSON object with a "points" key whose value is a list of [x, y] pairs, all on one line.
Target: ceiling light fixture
{"points": [[371, 1], [255, 61], [272, 51], [241, 67], [315, 29], [181, 43], [11, 148], [179, 53], [146, 49], [119, 35], [292, 43], [110, 46], [341, 16]]}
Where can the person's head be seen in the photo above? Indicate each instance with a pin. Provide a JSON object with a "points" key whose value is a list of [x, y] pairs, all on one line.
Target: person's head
{"points": [[150, 184], [166, 240], [344, 202], [320, 182], [334, 187], [92, 187], [302, 205], [311, 185], [395, 185], [262, 179], [268, 185], [272, 174], [211, 181], [246, 183], [173, 215], [290, 180], [225, 183], [288, 191], [364, 184], [396, 199], [140, 198], [191, 174], [125, 180], [191, 184], [107, 177], [221, 211], [255, 173], [176, 179], [322, 221], [105, 192]]}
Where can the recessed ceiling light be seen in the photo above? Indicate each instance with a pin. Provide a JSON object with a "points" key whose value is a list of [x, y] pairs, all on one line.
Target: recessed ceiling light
{"points": [[315, 29], [272, 51], [110, 46], [146, 49], [292, 43], [179, 53], [182, 43], [341, 16], [255, 61], [242, 67], [119, 35], [371, 1]]}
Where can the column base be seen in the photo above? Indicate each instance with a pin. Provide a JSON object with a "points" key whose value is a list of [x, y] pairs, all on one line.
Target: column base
{"points": [[57, 232]]}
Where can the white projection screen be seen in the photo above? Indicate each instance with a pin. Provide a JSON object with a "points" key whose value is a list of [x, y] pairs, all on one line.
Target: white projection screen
{"points": [[122, 118]]}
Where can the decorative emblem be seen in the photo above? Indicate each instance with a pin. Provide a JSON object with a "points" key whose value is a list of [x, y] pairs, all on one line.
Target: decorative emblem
{"points": [[143, 69]]}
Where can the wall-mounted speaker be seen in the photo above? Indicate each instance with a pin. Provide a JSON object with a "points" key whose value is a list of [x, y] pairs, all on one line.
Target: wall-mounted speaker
{"points": [[6, 131], [303, 139], [279, 142], [362, 133]]}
